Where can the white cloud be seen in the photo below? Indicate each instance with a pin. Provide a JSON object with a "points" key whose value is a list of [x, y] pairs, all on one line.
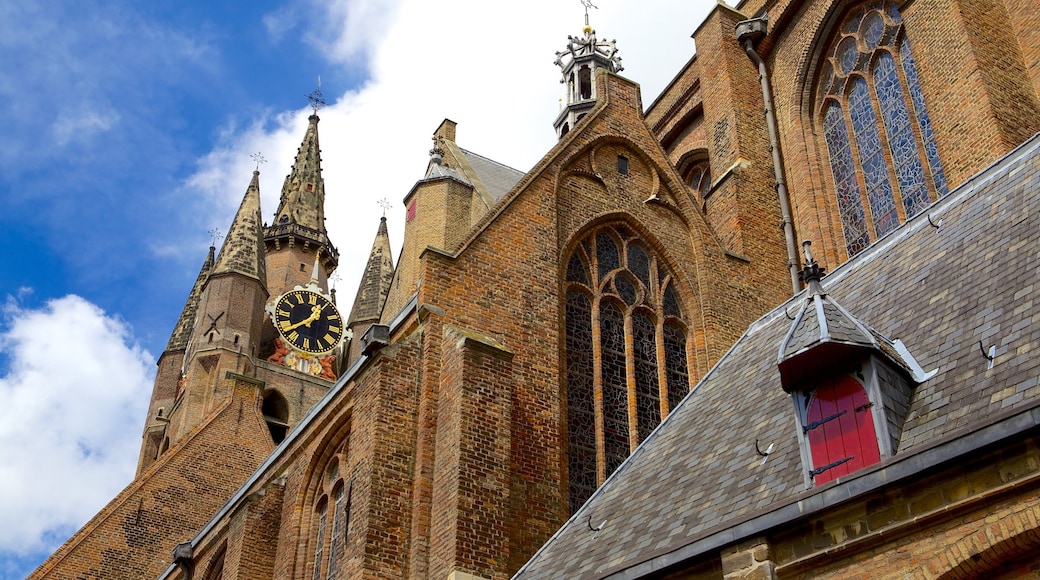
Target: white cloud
{"points": [[83, 125], [487, 66], [72, 397]]}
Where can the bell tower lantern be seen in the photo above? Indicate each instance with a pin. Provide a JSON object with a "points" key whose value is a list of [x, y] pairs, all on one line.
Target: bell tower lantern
{"points": [[584, 58]]}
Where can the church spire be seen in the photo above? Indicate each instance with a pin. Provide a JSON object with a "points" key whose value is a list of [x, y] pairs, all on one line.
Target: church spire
{"points": [[300, 217], [243, 250], [303, 194], [182, 331], [585, 56], [374, 287]]}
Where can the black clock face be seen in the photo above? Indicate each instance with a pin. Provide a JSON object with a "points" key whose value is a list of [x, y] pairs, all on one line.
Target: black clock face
{"points": [[308, 321]]}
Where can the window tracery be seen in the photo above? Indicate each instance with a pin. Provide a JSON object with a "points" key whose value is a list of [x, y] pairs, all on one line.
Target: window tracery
{"points": [[626, 357], [879, 138]]}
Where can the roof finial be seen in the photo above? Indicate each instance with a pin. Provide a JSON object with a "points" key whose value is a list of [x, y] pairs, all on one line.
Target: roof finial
{"points": [[588, 4], [214, 236], [259, 159], [383, 203], [811, 273], [316, 98]]}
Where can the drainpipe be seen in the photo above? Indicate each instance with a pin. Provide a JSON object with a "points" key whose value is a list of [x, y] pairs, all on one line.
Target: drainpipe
{"points": [[748, 32]]}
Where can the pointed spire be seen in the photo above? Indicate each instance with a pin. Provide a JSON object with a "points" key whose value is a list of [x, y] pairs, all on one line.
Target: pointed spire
{"points": [[182, 331], [303, 195], [243, 250], [375, 283]]}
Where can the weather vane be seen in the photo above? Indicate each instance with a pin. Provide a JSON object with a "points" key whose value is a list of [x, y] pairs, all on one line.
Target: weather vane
{"points": [[383, 203], [215, 236], [259, 159], [317, 98], [588, 4]]}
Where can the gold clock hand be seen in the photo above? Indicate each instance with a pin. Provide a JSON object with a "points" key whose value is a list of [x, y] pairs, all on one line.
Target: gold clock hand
{"points": [[305, 322]]}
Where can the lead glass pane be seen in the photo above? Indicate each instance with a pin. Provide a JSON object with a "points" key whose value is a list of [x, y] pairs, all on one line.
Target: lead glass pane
{"points": [[607, 254], [921, 112], [639, 263], [850, 205], [615, 386], [338, 520], [648, 391], [319, 541], [872, 159], [576, 270], [677, 374], [581, 412], [901, 142], [626, 288]]}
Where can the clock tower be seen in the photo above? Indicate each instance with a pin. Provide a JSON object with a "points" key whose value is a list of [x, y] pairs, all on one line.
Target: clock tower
{"points": [[226, 340]]}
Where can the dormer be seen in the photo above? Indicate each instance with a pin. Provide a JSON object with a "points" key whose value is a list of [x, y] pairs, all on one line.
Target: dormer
{"points": [[850, 385]]}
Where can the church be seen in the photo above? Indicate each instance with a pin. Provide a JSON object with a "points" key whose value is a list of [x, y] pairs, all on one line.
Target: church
{"points": [[777, 323]]}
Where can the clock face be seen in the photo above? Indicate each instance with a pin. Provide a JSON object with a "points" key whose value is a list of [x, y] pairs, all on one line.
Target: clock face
{"points": [[308, 321]]}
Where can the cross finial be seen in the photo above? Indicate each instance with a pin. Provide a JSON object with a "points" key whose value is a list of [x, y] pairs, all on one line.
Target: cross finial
{"points": [[215, 235], [259, 159], [383, 203], [316, 98]]}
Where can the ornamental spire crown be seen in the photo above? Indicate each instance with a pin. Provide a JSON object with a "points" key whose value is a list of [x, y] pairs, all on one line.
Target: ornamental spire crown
{"points": [[583, 58]]}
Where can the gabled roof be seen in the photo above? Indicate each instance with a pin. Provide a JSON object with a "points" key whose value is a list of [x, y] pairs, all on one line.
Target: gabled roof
{"points": [[697, 484]]}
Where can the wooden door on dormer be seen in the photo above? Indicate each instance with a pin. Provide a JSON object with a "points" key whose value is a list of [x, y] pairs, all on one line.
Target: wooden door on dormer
{"points": [[840, 429]]}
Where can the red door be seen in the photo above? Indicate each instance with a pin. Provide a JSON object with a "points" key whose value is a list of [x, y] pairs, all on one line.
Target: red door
{"points": [[841, 430]]}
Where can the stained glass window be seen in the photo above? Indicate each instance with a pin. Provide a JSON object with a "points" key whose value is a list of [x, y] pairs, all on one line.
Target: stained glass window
{"points": [[878, 135], [614, 393], [581, 412]]}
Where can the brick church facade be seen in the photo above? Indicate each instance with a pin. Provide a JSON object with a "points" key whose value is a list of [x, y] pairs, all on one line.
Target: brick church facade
{"points": [[609, 342]]}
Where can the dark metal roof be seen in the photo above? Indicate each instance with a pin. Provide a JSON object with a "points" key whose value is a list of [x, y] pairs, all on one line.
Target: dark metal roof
{"points": [[697, 483]]}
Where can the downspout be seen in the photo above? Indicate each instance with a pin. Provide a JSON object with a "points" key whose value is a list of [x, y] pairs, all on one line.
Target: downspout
{"points": [[748, 32]]}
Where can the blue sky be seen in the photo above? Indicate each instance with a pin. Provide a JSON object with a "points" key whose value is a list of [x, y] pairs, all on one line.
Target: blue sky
{"points": [[125, 135]]}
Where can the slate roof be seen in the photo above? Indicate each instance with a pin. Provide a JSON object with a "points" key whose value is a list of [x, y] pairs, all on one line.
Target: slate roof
{"points": [[697, 484], [497, 178]]}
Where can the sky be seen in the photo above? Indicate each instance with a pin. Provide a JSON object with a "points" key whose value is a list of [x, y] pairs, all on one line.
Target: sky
{"points": [[126, 135]]}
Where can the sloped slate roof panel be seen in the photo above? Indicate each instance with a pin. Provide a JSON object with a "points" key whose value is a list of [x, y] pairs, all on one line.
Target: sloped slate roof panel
{"points": [[498, 178], [939, 290]]}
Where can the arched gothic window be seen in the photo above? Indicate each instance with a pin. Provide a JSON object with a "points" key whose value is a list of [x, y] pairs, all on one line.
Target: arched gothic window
{"points": [[699, 178], [626, 355], [879, 138], [331, 522]]}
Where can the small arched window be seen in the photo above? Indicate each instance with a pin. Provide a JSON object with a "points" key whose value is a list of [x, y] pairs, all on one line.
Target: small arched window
{"points": [[626, 353], [879, 139]]}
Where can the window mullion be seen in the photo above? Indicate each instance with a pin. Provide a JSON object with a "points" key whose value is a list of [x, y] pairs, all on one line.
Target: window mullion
{"points": [[597, 392], [630, 381]]}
